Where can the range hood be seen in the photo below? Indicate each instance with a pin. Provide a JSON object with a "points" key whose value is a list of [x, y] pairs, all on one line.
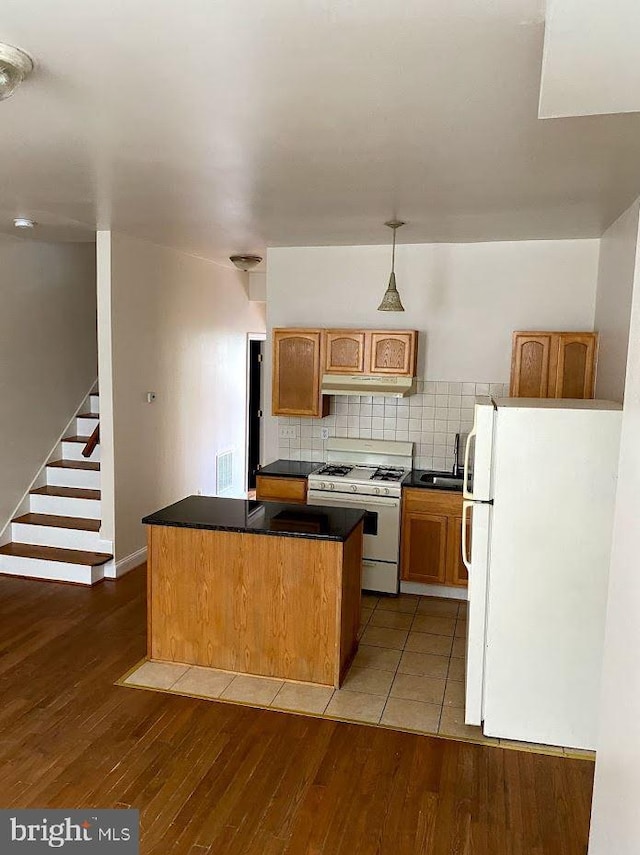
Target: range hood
{"points": [[368, 384]]}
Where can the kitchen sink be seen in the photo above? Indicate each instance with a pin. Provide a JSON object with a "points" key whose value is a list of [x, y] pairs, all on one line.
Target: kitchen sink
{"points": [[444, 480]]}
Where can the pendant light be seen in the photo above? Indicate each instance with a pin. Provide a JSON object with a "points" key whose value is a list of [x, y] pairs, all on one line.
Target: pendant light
{"points": [[15, 65], [391, 301]]}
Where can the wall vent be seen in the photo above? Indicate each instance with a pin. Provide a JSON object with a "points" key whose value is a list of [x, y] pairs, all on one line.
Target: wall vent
{"points": [[224, 471]]}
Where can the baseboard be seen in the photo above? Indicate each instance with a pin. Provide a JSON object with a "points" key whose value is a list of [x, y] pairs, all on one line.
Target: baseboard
{"points": [[115, 569], [433, 590], [40, 478]]}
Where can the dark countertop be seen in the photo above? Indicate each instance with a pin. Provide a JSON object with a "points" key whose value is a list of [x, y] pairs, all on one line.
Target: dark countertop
{"points": [[270, 518], [289, 468], [413, 480]]}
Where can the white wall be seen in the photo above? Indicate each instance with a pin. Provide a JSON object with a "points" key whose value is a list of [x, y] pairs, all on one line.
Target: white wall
{"points": [[179, 328], [465, 299], [613, 302], [105, 383], [590, 63], [615, 827], [48, 353]]}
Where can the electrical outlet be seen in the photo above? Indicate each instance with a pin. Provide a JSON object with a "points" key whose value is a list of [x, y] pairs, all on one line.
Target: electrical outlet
{"points": [[324, 433], [288, 432]]}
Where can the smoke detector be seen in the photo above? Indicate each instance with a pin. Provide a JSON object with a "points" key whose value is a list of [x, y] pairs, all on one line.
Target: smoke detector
{"points": [[15, 65], [245, 262]]}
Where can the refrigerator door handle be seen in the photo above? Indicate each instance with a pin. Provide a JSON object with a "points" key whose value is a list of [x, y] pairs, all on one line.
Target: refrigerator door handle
{"points": [[466, 505], [466, 493]]}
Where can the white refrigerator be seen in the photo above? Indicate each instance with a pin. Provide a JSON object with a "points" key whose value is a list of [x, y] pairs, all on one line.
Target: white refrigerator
{"points": [[539, 493]]}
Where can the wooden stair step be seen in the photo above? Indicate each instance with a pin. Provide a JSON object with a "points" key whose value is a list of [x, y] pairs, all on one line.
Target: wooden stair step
{"points": [[88, 416], [67, 492], [82, 439], [50, 553], [75, 464], [54, 521]]}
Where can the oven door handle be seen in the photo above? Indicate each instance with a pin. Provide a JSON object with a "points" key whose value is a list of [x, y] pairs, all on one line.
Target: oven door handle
{"points": [[344, 498]]}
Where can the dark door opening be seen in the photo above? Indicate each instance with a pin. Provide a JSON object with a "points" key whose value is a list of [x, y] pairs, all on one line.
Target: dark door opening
{"points": [[255, 413]]}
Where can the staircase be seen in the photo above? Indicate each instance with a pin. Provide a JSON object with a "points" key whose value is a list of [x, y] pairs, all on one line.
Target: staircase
{"points": [[59, 537]]}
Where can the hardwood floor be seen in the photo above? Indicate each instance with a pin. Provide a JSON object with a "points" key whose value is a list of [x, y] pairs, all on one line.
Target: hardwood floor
{"points": [[223, 779]]}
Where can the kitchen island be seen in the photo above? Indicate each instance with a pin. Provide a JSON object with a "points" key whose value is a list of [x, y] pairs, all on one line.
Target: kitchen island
{"points": [[257, 587]]}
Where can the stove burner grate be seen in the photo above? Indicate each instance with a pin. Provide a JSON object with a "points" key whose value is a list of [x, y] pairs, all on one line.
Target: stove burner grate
{"points": [[388, 473], [335, 471]]}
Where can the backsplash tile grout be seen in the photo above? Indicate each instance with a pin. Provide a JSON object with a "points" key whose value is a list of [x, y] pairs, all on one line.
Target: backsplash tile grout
{"points": [[430, 419]]}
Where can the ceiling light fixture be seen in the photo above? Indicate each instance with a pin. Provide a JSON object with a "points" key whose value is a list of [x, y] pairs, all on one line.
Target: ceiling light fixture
{"points": [[391, 301], [15, 65], [24, 223], [245, 262]]}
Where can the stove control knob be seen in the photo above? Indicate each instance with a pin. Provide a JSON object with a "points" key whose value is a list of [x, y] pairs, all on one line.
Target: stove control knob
{"points": [[322, 485], [386, 491], [332, 486], [377, 491], [354, 489]]}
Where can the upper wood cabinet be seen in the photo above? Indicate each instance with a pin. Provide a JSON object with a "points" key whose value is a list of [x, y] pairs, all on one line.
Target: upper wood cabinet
{"points": [[554, 364], [344, 352], [297, 373], [576, 365], [371, 352], [302, 356], [431, 538], [530, 361], [393, 352]]}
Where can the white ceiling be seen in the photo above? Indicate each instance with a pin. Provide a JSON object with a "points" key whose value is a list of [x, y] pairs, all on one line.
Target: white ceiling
{"points": [[591, 63], [222, 126]]}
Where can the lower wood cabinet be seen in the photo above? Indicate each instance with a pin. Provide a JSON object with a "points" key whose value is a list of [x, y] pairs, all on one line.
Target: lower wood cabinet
{"points": [[431, 540], [274, 488]]}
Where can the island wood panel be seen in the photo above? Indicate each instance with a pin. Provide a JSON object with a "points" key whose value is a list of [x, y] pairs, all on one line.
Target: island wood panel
{"points": [[351, 598], [257, 604]]}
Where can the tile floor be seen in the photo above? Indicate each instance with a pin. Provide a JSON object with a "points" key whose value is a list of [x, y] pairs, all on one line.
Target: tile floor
{"points": [[408, 674]]}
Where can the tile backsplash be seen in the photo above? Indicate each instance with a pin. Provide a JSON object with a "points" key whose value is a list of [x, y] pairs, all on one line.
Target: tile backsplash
{"points": [[430, 419]]}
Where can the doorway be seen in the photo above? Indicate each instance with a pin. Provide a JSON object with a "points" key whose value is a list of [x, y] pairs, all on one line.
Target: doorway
{"points": [[254, 407]]}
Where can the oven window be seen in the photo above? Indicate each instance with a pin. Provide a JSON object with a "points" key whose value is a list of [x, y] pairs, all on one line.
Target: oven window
{"points": [[371, 522]]}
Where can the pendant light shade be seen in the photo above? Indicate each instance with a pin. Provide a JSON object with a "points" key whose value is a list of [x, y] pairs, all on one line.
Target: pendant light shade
{"points": [[15, 65], [391, 301]]}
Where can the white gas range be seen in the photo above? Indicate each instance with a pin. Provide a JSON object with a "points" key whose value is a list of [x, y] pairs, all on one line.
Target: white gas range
{"points": [[368, 474]]}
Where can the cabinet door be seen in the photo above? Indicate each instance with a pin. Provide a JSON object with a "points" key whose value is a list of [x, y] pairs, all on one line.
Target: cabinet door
{"points": [[424, 548], [456, 571], [576, 365], [344, 351], [296, 373], [393, 352], [530, 361], [271, 488]]}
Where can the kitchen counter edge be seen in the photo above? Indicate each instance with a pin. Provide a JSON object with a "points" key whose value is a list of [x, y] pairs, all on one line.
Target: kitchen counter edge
{"points": [[245, 516], [289, 469]]}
